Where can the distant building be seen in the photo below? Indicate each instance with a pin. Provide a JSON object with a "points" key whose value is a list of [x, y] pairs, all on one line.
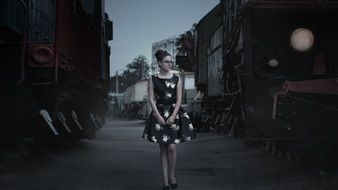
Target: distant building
{"points": [[168, 45]]}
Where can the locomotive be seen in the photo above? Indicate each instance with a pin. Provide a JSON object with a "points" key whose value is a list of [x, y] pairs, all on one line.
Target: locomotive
{"points": [[269, 73], [54, 70]]}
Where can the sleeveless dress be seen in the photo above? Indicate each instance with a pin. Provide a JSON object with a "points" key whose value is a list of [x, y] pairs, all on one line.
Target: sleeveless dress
{"points": [[182, 129]]}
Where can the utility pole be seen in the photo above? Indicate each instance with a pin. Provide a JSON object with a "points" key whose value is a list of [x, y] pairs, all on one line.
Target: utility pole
{"points": [[142, 70], [117, 82]]}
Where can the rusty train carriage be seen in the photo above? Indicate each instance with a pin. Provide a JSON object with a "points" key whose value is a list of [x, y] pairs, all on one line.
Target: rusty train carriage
{"points": [[204, 53], [281, 88], [55, 69]]}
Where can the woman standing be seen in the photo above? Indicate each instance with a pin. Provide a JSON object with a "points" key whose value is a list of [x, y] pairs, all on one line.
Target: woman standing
{"points": [[168, 124]]}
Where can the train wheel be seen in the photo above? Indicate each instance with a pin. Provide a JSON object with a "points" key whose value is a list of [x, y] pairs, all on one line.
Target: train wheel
{"points": [[298, 158], [289, 155], [274, 149], [292, 156], [267, 146], [281, 153]]}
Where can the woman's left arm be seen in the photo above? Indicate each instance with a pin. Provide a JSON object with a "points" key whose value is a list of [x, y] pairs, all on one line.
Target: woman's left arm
{"points": [[178, 102]]}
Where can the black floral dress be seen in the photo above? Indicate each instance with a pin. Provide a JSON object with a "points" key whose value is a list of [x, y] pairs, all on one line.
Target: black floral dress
{"points": [[182, 129]]}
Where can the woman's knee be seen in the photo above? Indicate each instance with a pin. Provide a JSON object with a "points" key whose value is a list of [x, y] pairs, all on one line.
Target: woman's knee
{"points": [[172, 148], [163, 147]]}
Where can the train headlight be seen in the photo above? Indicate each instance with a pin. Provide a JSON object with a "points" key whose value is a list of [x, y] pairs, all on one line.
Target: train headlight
{"points": [[42, 54], [302, 39], [273, 63]]}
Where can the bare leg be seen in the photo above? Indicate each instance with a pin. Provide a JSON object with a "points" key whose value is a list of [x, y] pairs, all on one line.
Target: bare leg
{"points": [[172, 155], [164, 162]]}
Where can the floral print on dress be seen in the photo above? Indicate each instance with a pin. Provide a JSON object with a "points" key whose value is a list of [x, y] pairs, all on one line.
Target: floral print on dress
{"points": [[168, 94], [175, 127], [165, 138], [170, 84], [166, 114], [191, 127], [158, 127], [182, 129]]}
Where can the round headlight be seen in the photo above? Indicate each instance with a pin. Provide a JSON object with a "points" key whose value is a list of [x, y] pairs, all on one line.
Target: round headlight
{"points": [[302, 39], [273, 63], [42, 54]]}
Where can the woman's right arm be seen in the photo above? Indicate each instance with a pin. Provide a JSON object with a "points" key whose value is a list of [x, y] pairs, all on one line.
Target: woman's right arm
{"points": [[152, 101]]}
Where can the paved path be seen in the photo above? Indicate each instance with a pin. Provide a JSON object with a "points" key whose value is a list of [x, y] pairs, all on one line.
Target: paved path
{"points": [[118, 159]]}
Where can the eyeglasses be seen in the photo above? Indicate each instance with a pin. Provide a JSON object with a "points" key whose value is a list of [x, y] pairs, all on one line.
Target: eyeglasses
{"points": [[167, 61]]}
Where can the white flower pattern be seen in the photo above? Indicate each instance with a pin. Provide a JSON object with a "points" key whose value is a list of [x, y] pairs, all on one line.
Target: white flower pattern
{"points": [[182, 128], [167, 83], [158, 127], [170, 84], [175, 127], [191, 127], [168, 94], [166, 114], [165, 138], [186, 115]]}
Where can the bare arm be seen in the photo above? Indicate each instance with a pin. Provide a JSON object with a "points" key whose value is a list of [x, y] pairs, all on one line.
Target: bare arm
{"points": [[178, 96], [152, 101]]}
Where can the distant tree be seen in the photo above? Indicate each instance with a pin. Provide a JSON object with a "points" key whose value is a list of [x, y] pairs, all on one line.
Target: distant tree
{"points": [[135, 71], [138, 68]]}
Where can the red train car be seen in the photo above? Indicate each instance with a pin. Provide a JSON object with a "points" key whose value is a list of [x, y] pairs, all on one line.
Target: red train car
{"points": [[55, 71]]}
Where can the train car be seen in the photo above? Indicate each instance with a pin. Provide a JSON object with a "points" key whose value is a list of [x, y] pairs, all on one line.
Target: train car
{"points": [[116, 104], [133, 99], [280, 72], [209, 72], [56, 69]]}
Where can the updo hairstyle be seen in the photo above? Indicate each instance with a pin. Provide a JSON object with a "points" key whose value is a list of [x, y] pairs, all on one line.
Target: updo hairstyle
{"points": [[160, 54]]}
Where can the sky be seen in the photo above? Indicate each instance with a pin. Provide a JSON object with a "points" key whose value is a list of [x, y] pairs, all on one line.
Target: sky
{"points": [[137, 24]]}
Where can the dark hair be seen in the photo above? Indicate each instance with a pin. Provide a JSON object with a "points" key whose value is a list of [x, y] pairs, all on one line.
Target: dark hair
{"points": [[160, 54]]}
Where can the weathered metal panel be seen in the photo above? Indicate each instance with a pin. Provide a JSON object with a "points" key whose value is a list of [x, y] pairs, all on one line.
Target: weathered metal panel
{"points": [[65, 34], [215, 73], [11, 15], [215, 64], [216, 39], [88, 6], [87, 47], [41, 23], [205, 28]]}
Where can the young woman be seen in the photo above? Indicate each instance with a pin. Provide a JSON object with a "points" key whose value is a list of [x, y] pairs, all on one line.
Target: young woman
{"points": [[168, 124]]}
